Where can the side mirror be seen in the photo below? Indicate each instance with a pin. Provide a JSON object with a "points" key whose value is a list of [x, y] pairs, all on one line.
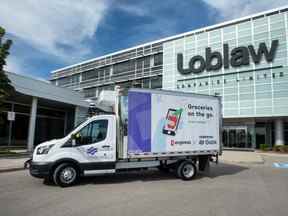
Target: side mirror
{"points": [[75, 139], [73, 136], [73, 142]]}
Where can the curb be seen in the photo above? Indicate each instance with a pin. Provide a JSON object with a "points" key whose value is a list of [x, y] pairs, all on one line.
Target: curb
{"points": [[14, 156], [273, 154], [244, 162], [11, 169]]}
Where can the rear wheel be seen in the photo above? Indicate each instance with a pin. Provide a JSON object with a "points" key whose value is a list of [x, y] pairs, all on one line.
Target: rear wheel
{"points": [[186, 170], [65, 175]]}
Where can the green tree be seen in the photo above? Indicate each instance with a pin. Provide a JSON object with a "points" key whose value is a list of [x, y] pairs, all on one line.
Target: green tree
{"points": [[6, 89]]}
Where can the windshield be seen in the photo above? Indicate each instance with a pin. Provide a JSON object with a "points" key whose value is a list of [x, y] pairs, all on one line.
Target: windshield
{"points": [[75, 127]]}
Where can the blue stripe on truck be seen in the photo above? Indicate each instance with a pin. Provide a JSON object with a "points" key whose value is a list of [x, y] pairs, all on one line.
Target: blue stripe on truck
{"points": [[139, 122]]}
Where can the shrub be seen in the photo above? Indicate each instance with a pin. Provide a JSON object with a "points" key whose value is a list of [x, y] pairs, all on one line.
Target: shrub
{"points": [[264, 147], [276, 148], [281, 148]]}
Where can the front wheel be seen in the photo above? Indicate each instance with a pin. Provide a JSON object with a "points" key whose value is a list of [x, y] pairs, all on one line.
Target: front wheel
{"points": [[186, 170], [65, 175]]}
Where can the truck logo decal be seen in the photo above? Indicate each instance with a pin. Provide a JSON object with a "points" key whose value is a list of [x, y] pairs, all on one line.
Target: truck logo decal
{"points": [[182, 142], [91, 150]]}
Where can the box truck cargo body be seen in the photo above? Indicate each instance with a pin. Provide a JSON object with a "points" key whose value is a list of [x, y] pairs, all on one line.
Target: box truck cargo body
{"points": [[150, 128], [162, 123]]}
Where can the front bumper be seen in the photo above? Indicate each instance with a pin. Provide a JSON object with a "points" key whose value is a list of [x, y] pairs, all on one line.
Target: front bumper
{"points": [[40, 169]]}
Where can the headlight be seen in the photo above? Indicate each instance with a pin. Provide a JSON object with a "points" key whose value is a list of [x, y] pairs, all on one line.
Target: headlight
{"points": [[44, 149]]}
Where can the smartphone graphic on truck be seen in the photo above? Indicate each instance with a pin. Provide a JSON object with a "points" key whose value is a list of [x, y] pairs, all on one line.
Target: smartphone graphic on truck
{"points": [[172, 121]]}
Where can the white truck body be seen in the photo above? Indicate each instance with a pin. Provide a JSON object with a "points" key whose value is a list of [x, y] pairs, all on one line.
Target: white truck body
{"points": [[197, 124], [149, 128]]}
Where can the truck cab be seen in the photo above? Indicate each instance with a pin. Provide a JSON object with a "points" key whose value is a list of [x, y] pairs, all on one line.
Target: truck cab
{"points": [[89, 149]]}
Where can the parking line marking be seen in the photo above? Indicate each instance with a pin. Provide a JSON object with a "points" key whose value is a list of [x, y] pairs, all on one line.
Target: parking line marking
{"points": [[281, 165]]}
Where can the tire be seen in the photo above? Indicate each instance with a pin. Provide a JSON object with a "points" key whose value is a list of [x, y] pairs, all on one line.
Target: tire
{"points": [[186, 170], [65, 175]]}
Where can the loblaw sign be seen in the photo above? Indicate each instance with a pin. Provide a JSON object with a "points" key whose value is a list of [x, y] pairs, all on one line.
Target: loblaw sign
{"points": [[237, 57]]}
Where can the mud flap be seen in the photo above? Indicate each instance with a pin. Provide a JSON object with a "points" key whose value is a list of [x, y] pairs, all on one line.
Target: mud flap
{"points": [[204, 164], [27, 164]]}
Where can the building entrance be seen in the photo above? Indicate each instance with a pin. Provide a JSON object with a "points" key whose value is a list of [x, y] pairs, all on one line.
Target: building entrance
{"points": [[235, 137]]}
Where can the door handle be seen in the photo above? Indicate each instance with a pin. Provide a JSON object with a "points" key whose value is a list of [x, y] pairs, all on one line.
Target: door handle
{"points": [[105, 146]]}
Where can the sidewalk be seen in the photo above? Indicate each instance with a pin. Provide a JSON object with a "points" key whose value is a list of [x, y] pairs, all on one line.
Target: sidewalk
{"points": [[241, 157], [12, 164], [272, 154]]}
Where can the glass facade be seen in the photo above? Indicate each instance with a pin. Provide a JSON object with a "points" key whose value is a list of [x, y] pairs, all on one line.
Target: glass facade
{"points": [[247, 91], [50, 123], [254, 94], [140, 67]]}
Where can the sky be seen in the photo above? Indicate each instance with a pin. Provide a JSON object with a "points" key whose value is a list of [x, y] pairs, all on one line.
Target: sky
{"points": [[48, 35]]}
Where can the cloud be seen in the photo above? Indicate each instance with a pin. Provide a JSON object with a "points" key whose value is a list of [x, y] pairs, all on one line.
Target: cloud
{"points": [[158, 18], [58, 28], [14, 65], [133, 9], [227, 9]]}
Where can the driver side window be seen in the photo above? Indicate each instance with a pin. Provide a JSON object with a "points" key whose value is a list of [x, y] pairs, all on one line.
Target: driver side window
{"points": [[94, 132]]}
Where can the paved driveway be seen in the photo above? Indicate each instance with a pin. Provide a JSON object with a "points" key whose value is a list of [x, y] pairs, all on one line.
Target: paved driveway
{"points": [[229, 189]]}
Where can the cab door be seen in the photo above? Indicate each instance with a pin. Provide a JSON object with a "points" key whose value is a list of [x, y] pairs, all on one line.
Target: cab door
{"points": [[96, 141]]}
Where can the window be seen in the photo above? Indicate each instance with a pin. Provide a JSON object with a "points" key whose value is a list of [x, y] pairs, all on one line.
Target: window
{"points": [[124, 67], [90, 75], [64, 81], [139, 64], [8, 107], [146, 83], [94, 132], [125, 85], [136, 84], [156, 83], [90, 92], [147, 62], [158, 59], [75, 78], [22, 108], [281, 74]]}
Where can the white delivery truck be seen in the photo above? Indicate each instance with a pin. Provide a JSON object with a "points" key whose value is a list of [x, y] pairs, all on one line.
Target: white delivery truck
{"points": [[150, 128]]}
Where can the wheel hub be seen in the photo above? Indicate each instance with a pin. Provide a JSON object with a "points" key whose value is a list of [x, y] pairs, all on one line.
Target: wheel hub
{"points": [[68, 174], [188, 170]]}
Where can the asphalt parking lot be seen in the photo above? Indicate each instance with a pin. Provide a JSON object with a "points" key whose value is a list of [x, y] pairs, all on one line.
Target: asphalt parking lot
{"points": [[229, 189]]}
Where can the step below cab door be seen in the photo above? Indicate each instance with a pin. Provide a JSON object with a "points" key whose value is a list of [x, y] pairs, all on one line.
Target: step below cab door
{"points": [[96, 143]]}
